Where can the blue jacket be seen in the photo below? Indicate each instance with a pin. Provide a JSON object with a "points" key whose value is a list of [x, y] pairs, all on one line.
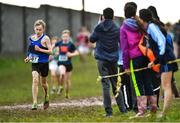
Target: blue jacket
{"points": [[106, 36], [162, 46]]}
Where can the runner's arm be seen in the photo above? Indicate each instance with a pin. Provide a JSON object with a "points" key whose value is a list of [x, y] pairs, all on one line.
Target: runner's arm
{"points": [[75, 53], [48, 44], [26, 60]]}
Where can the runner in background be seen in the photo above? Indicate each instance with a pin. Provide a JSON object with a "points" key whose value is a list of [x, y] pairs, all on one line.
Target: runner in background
{"points": [[67, 50], [53, 66], [82, 43]]}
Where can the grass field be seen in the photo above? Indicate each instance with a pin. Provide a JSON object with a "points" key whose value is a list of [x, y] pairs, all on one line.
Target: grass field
{"points": [[15, 88], [15, 77]]}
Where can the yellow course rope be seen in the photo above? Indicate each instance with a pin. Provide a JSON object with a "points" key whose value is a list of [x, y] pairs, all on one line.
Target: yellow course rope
{"points": [[119, 74], [118, 86]]}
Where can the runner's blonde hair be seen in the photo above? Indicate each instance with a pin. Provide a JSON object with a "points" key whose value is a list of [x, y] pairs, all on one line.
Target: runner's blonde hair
{"points": [[40, 22]]}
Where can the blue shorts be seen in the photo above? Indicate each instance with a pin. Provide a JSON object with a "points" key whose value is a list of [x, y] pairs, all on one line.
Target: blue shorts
{"points": [[169, 67]]}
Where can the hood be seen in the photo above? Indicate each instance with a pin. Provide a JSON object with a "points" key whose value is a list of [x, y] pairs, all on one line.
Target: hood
{"points": [[131, 24], [105, 25]]}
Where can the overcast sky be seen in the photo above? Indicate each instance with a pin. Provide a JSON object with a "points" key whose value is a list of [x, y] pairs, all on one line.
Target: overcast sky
{"points": [[168, 10]]}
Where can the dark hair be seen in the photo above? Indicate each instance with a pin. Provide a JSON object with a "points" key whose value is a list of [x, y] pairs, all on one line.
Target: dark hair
{"points": [[146, 15], [108, 13], [129, 10], [155, 16], [157, 20], [153, 11], [179, 21], [168, 24], [132, 3]]}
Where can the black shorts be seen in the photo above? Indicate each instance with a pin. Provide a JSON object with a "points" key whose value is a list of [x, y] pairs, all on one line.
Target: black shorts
{"points": [[41, 68], [156, 80], [68, 67]]}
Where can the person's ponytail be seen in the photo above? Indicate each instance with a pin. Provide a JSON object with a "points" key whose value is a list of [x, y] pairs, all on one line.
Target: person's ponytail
{"points": [[161, 26]]}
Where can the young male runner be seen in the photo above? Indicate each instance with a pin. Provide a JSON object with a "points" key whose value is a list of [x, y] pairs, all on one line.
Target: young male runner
{"points": [[38, 55]]}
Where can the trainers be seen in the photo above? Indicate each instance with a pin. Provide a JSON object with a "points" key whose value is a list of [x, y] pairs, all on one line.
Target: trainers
{"points": [[67, 96], [161, 115], [138, 115], [53, 91], [107, 115], [60, 89], [34, 106], [46, 102]]}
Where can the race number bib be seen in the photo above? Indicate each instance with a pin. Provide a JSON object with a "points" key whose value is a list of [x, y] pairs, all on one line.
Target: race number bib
{"points": [[63, 58], [33, 58]]}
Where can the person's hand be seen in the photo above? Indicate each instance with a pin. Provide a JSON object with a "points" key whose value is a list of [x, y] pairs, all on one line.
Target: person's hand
{"points": [[37, 48], [26, 60], [57, 53], [136, 17], [127, 71], [100, 19], [69, 55], [50, 58], [150, 64]]}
